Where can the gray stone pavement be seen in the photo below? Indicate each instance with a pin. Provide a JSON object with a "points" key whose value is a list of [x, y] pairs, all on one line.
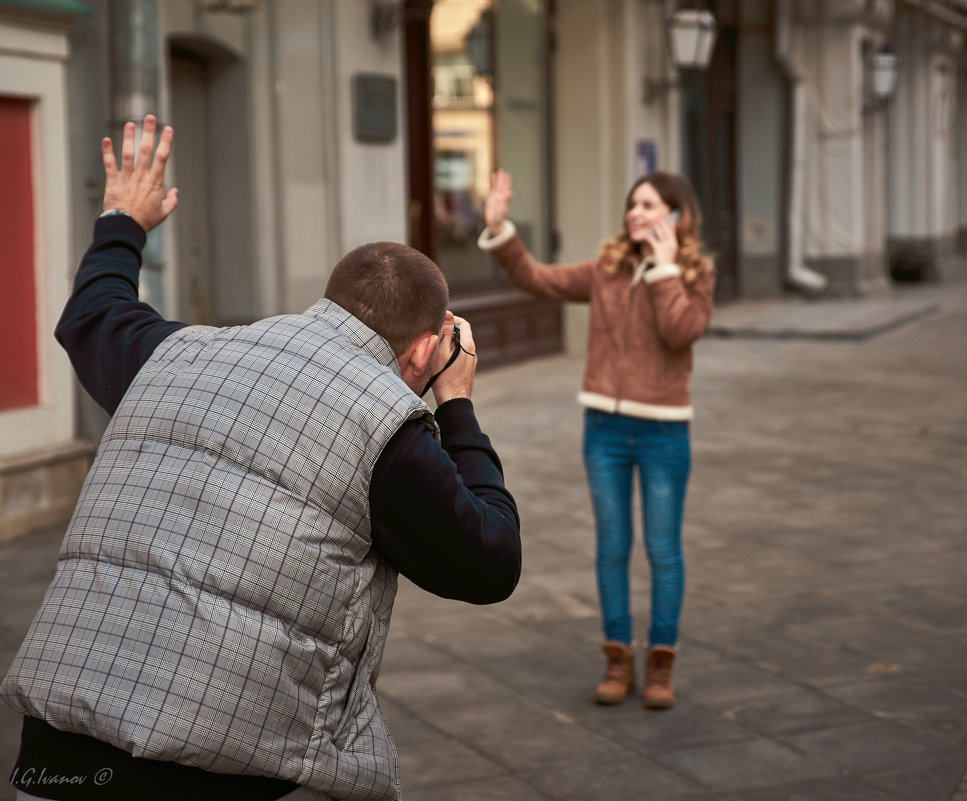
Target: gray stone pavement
{"points": [[824, 640]]}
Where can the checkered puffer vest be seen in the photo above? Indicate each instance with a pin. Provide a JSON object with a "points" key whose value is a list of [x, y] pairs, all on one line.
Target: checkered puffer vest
{"points": [[216, 601]]}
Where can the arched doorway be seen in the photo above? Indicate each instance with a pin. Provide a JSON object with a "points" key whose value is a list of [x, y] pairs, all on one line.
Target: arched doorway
{"points": [[709, 148], [215, 274]]}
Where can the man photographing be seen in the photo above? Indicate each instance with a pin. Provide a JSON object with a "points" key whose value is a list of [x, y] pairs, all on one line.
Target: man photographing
{"points": [[217, 620]]}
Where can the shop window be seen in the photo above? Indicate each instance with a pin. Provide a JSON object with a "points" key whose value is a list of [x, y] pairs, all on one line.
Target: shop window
{"points": [[19, 382], [488, 87], [462, 103]]}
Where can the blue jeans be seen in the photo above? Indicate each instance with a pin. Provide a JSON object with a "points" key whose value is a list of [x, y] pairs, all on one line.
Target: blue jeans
{"points": [[613, 446]]}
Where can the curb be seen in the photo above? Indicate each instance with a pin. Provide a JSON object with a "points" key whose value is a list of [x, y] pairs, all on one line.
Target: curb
{"points": [[833, 333]]}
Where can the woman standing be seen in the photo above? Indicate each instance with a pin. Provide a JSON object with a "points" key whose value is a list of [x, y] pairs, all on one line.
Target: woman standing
{"points": [[650, 290]]}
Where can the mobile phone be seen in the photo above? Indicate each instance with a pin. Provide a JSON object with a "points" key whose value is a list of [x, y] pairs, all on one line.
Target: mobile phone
{"points": [[670, 220]]}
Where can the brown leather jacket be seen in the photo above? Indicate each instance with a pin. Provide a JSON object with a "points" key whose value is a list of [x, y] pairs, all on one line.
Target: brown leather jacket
{"points": [[641, 330]]}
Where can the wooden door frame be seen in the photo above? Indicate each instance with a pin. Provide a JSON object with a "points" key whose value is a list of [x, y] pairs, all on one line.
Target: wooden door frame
{"points": [[419, 122]]}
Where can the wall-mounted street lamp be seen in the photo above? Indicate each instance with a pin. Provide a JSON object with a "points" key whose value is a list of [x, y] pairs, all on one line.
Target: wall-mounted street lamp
{"points": [[884, 69], [691, 39]]}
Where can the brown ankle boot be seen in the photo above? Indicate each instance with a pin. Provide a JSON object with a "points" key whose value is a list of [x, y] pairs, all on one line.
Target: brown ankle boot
{"points": [[659, 693], [620, 677]]}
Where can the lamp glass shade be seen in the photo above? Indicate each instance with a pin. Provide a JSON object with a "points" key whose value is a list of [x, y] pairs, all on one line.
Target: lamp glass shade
{"points": [[885, 67], [691, 35]]}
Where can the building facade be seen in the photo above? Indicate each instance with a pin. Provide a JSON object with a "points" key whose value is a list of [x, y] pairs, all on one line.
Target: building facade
{"points": [[307, 127], [42, 462]]}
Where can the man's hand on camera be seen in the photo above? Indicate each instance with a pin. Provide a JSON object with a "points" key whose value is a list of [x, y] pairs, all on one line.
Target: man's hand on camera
{"points": [[138, 187], [456, 381]]}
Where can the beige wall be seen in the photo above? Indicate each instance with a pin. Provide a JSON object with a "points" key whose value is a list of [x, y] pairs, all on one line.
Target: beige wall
{"points": [[605, 48], [32, 66], [373, 189], [316, 191], [42, 465]]}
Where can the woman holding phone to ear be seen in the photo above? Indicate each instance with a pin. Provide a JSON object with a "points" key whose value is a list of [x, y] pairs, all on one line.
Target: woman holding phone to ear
{"points": [[650, 290]]}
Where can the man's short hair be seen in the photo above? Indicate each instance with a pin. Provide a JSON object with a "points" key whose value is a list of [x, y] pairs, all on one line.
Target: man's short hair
{"points": [[395, 290]]}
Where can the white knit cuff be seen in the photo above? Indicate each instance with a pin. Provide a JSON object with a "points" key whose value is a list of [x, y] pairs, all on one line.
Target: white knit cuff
{"points": [[661, 272], [488, 242]]}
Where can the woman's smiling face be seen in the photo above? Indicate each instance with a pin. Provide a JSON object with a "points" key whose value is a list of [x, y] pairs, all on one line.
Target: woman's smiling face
{"points": [[647, 209]]}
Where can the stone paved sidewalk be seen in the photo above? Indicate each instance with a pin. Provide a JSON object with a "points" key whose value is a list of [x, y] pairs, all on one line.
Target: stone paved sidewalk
{"points": [[825, 629]]}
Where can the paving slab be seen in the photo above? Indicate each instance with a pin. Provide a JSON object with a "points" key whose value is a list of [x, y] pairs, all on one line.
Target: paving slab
{"points": [[867, 747], [444, 760], [841, 788], [690, 728], [921, 782], [797, 710], [747, 766], [625, 777], [501, 789]]}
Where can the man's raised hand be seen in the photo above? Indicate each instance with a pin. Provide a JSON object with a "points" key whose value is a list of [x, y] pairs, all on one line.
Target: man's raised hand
{"points": [[138, 187]]}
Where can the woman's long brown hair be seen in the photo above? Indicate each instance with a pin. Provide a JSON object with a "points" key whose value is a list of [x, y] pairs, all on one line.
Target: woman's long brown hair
{"points": [[620, 253]]}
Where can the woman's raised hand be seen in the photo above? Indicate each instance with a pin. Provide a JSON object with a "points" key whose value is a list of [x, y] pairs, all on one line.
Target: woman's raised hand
{"points": [[498, 201]]}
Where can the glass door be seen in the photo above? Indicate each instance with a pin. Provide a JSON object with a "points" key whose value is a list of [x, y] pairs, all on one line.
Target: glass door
{"points": [[478, 99], [463, 135], [486, 80], [523, 117]]}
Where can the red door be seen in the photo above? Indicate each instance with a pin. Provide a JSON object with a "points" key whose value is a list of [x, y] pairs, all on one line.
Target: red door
{"points": [[18, 285]]}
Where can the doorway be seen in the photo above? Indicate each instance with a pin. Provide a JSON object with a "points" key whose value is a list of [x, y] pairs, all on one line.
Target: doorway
{"points": [[215, 275], [709, 152], [189, 80]]}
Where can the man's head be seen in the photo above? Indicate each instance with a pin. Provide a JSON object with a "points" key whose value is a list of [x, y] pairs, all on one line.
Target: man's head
{"points": [[399, 293]]}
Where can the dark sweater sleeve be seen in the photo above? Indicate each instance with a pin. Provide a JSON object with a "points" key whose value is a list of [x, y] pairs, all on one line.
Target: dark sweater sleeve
{"points": [[441, 514], [107, 332]]}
